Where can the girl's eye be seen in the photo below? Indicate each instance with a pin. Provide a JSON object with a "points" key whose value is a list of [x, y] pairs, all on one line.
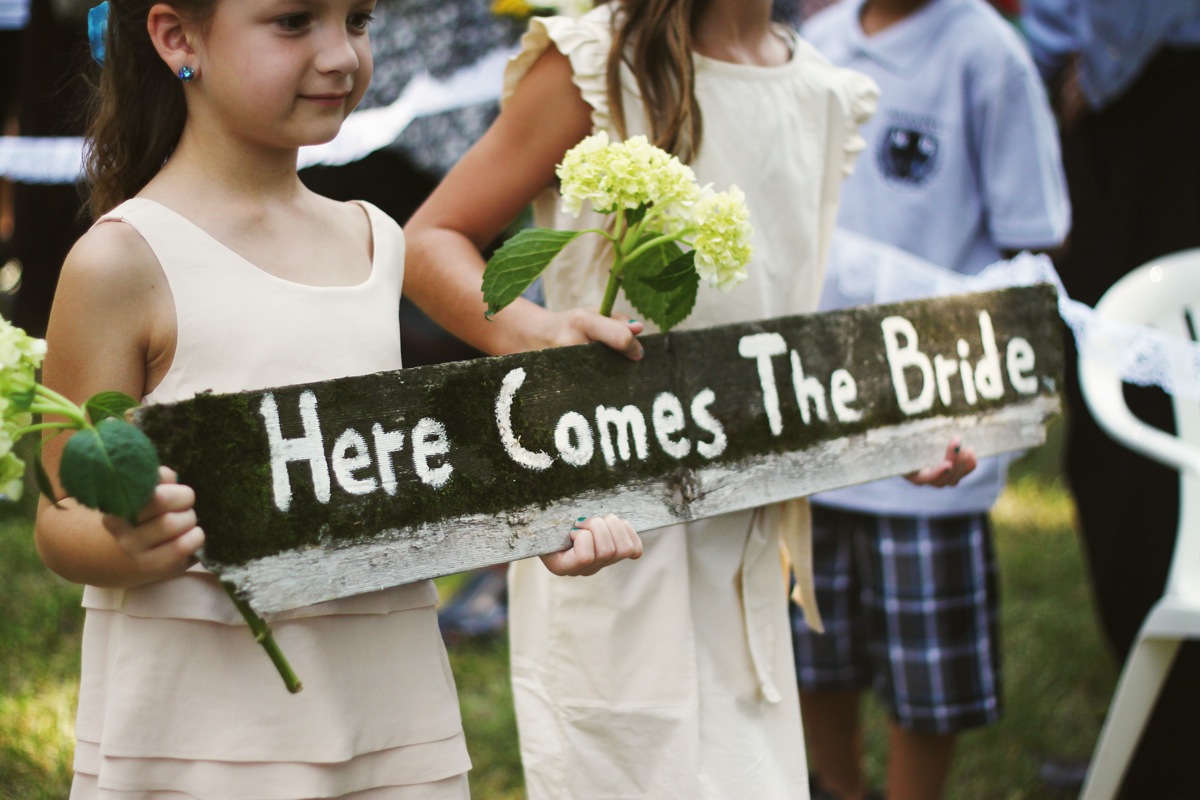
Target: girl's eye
{"points": [[293, 22], [359, 22]]}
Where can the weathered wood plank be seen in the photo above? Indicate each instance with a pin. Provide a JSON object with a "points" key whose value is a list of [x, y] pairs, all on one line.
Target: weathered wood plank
{"points": [[423, 472]]}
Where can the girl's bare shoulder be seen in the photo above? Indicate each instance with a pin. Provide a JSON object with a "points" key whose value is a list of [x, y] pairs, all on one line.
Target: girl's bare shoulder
{"points": [[112, 255], [112, 278]]}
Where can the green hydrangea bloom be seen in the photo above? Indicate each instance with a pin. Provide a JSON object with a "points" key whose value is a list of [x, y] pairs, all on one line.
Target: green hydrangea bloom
{"points": [[20, 357], [622, 175], [721, 239]]}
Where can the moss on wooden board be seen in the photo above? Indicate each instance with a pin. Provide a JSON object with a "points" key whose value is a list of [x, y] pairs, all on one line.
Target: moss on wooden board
{"points": [[218, 443]]}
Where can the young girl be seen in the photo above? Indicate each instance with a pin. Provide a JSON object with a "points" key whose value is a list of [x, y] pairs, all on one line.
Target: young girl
{"points": [[212, 268], [674, 680]]}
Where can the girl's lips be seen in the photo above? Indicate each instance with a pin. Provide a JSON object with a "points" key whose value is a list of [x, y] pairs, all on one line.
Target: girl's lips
{"points": [[325, 99]]}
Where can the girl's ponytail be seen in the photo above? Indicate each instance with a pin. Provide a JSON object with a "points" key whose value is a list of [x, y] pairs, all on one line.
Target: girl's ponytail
{"points": [[654, 37], [137, 113]]}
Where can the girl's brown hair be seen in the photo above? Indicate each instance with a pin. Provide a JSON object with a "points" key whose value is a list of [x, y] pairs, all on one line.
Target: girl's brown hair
{"points": [[654, 37], [137, 112]]}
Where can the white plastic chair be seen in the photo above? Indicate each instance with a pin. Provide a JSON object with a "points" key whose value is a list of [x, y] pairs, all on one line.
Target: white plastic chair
{"points": [[1164, 294]]}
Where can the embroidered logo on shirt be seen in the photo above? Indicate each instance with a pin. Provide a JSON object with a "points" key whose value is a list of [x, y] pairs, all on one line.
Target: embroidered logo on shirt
{"points": [[907, 155]]}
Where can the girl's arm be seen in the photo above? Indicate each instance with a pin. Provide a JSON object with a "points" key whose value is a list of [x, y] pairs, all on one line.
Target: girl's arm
{"points": [[497, 179], [112, 328]]}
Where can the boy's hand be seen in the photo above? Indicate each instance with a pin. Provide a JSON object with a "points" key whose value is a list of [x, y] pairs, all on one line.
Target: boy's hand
{"points": [[959, 461], [598, 542], [165, 539]]}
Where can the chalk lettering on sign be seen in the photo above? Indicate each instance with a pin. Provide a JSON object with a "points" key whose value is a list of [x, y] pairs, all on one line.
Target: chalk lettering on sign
{"points": [[808, 391], [982, 378], [761, 347], [708, 423], [532, 459], [903, 357], [573, 438], [628, 423], [1020, 360], [842, 392], [987, 371], [669, 420], [428, 442], [386, 443], [308, 447], [350, 454]]}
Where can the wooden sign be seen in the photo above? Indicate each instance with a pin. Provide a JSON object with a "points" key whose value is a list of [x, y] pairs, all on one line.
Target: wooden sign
{"points": [[312, 492]]}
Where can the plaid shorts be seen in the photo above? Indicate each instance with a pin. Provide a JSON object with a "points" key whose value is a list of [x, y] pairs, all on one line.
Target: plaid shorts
{"points": [[910, 606]]}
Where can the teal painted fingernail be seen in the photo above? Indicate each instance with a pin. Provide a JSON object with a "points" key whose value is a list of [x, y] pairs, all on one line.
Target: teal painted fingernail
{"points": [[633, 322], [581, 519]]}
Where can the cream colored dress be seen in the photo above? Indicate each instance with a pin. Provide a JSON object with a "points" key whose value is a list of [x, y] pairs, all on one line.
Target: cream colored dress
{"points": [[176, 699], [672, 676]]}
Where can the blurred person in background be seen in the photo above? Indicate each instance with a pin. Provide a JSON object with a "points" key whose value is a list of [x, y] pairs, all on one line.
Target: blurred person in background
{"points": [[1125, 77], [963, 168]]}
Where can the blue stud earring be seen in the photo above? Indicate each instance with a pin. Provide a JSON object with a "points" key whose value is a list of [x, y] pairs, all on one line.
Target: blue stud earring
{"points": [[186, 73]]}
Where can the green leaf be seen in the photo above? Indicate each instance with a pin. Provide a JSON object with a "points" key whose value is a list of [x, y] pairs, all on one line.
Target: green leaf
{"points": [[43, 479], [634, 215], [518, 262], [108, 404], [677, 274], [112, 467], [662, 284]]}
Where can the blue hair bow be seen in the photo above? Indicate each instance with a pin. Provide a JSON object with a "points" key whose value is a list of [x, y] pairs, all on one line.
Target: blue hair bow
{"points": [[97, 29]]}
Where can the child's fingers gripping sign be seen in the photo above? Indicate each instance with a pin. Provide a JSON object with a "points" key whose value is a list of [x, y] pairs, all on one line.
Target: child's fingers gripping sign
{"points": [[596, 543], [958, 462], [579, 326], [166, 537], [621, 337]]}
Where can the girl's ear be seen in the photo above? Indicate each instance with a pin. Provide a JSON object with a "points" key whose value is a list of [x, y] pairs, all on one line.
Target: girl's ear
{"points": [[172, 36]]}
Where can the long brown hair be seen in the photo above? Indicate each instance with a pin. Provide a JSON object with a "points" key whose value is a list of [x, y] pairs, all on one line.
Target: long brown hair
{"points": [[137, 111], [654, 37]]}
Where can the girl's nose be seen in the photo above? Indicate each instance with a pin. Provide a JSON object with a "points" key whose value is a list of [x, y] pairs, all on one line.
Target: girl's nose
{"points": [[337, 53]]}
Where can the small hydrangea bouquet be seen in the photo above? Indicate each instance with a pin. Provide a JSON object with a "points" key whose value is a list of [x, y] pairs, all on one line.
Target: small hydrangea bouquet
{"points": [[108, 464], [524, 9], [657, 209]]}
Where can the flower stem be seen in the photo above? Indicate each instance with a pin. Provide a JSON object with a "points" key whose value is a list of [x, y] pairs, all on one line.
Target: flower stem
{"points": [[655, 242], [57, 404], [610, 291], [44, 426], [262, 635]]}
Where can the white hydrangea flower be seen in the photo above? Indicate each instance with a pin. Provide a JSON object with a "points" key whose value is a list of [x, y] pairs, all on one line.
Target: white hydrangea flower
{"points": [[20, 356], [621, 175], [721, 221]]}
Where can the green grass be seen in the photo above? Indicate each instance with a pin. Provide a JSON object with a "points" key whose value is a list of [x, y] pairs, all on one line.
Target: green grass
{"points": [[1058, 677], [40, 622]]}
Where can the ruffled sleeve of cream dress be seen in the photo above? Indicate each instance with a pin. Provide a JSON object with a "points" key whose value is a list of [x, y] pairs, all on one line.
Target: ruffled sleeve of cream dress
{"points": [[176, 698], [672, 676]]}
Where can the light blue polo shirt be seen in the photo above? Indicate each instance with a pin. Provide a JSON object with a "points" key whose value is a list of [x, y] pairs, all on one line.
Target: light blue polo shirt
{"points": [[962, 162], [14, 14]]}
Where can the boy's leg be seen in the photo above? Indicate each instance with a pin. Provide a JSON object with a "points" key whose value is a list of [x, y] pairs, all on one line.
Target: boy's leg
{"points": [[831, 668], [933, 614], [918, 763], [834, 737]]}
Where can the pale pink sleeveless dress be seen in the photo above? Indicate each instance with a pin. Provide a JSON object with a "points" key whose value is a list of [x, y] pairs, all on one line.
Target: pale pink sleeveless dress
{"points": [[176, 699]]}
